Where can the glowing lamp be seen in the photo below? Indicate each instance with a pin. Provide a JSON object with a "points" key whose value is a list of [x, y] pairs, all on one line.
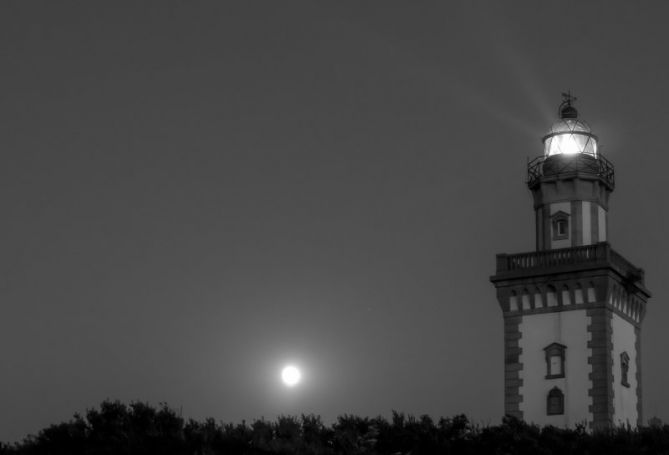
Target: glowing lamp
{"points": [[569, 135]]}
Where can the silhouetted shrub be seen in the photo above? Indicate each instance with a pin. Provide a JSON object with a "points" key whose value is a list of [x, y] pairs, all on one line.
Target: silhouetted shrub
{"points": [[119, 429]]}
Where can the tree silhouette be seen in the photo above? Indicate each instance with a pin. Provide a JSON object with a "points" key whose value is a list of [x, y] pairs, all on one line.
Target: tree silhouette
{"points": [[138, 428]]}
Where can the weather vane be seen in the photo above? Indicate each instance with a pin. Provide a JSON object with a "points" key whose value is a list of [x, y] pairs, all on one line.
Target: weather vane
{"points": [[566, 110]]}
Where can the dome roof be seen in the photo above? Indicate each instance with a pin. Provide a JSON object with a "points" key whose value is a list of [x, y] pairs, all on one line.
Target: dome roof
{"points": [[567, 125]]}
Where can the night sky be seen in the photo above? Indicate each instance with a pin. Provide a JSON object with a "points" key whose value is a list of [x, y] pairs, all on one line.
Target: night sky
{"points": [[195, 194]]}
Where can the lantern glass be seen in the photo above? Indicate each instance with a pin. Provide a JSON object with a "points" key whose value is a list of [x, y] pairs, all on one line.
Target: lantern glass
{"points": [[569, 137]]}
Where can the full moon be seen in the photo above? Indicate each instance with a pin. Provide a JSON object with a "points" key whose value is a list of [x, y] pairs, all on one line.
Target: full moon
{"points": [[290, 376]]}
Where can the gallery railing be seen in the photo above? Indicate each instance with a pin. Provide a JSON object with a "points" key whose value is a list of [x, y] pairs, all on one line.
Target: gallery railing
{"points": [[600, 254], [561, 164]]}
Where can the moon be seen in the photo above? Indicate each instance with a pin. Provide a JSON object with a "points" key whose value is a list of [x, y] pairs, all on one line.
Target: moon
{"points": [[291, 376]]}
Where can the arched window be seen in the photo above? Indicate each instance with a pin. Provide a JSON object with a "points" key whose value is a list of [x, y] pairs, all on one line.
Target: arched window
{"points": [[591, 293], [551, 296], [555, 402], [566, 296], [555, 354], [525, 299], [513, 301], [578, 294], [538, 301], [624, 368]]}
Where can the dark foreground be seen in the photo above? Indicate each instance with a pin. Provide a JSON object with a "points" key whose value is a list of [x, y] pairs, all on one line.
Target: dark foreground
{"points": [[138, 428]]}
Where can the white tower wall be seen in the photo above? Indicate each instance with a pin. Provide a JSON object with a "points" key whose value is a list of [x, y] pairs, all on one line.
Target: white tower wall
{"points": [[569, 328], [624, 398]]}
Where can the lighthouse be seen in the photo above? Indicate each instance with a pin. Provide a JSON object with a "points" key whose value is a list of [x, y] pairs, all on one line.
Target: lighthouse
{"points": [[572, 308]]}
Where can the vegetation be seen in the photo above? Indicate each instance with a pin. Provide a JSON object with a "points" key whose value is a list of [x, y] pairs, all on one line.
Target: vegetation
{"points": [[138, 428]]}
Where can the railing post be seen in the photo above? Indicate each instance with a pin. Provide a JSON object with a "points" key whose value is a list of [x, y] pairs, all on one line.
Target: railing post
{"points": [[502, 262], [602, 252], [607, 252]]}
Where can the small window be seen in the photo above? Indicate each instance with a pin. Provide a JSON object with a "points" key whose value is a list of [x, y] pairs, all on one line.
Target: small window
{"points": [[566, 297], [555, 354], [538, 302], [513, 301], [578, 294], [624, 368], [591, 293], [555, 402], [551, 296], [561, 228], [525, 299], [560, 222]]}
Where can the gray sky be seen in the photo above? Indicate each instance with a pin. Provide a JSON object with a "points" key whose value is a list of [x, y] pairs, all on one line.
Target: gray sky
{"points": [[194, 194]]}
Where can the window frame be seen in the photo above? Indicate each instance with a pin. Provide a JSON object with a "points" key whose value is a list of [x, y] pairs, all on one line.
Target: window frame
{"points": [[624, 369], [553, 409], [560, 219], [555, 350]]}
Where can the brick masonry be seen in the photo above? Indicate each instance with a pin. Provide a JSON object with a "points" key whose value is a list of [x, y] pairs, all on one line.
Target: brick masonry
{"points": [[512, 366], [601, 362]]}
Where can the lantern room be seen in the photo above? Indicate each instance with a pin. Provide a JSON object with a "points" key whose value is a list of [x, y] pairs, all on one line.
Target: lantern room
{"points": [[570, 149], [569, 136]]}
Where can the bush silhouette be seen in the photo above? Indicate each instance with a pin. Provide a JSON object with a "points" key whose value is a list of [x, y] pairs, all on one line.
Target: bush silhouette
{"points": [[138, 428]]}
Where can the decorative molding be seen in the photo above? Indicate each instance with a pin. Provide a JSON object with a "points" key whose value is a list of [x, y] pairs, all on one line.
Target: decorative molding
{"points": [[557, 219], [624, 369], [639, 401], [555, 350]]}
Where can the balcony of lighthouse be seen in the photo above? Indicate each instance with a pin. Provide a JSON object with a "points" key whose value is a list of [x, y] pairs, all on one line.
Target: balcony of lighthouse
{"points": [[570, 166], [597, 256], [570, 278]]}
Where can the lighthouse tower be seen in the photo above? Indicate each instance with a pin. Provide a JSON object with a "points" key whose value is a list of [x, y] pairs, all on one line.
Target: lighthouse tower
{"points": [[573, 308]]}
